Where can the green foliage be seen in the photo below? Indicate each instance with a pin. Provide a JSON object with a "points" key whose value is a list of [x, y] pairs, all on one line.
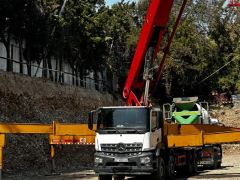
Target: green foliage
{"points": [[92, 36], [207, 39]]}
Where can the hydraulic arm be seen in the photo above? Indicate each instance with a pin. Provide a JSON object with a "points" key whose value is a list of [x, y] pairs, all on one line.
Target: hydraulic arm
{"points": [[151, 37]]}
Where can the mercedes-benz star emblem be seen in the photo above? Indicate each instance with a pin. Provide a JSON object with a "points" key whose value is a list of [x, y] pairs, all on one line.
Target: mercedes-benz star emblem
{"points": [[121, 147]]}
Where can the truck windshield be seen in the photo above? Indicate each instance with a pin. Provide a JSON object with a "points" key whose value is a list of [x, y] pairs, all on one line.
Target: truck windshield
{"points": [[124, 119]]}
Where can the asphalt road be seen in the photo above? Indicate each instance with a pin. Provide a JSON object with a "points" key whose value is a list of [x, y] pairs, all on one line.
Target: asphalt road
{"points": [[230, 170]]}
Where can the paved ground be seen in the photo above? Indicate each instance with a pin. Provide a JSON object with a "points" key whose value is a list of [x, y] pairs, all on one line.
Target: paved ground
{"points": [[230, 170]]}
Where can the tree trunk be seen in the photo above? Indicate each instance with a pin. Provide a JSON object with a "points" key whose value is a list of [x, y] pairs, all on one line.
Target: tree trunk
{"points": [[29, 69], [50, 67], [103, 82], [20, 55], [56, 72], [73, 77], [77, 76], [9, 61], [29, 66], [7, 47], [77, 73], [44, 72], [85, 78], [61, 75], [81, 77], [96, 80]]}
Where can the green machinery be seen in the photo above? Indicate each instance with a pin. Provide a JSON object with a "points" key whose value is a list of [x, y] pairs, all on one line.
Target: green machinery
{"points": [[186, 110]]}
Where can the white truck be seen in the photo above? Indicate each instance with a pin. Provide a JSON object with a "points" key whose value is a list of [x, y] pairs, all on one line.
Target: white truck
{"points": [[126, 141], [130, 141]]}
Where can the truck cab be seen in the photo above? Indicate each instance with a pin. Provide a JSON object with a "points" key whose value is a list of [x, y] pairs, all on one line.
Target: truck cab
{"points": [[126, 140]]}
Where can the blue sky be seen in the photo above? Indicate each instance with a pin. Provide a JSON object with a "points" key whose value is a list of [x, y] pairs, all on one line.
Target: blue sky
{"points": [[110, 2]]}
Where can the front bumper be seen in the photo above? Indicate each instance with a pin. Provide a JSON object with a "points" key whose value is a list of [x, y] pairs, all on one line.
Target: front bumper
{"points": [[124, 164]]}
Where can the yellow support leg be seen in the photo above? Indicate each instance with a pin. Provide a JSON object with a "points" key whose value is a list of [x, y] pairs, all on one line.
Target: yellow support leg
{"points": [[1, 161], [52, 158], [2, 143]]}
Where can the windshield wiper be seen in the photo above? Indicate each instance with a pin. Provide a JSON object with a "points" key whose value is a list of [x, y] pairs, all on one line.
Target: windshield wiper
{"points": [[112, 128], [133, 129], [122, 129]]}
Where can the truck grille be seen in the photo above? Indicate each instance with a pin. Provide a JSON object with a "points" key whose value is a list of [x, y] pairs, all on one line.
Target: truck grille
{"points": [[122, 148]]}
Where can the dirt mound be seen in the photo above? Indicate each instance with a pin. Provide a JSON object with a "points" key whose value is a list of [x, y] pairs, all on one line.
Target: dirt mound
{"points": [[29, 100], [229, 117]]}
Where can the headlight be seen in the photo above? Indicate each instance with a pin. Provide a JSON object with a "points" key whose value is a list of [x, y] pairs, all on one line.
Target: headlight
{"points": [[145, 160], [98, 160]]}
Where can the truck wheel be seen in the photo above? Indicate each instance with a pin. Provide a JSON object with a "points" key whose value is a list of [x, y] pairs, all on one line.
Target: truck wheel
{"points": [[215, 163], [170, 168], [104, 177], [215, 160], [195, 162], [119, 177], [160, 173], [191, 163], [219, 157]]}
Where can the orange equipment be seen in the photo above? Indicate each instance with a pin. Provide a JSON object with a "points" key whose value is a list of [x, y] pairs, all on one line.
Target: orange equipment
{"points": [[59, 133]]}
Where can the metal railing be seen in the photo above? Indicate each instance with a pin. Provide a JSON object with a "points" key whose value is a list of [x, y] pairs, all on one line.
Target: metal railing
{"points": [[61, 77]]}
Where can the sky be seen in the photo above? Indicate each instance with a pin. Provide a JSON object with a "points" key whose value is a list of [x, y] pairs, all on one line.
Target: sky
{"points": [[110, 2]]}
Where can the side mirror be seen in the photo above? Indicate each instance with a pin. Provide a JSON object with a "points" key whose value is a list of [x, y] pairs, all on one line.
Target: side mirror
{"points": [[90, 120]]}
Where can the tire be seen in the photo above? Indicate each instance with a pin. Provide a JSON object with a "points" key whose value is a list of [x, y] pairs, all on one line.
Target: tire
{"points": [[195, 162], [160, 173], [104, 177], [219, 157], [170, 168], [215, 160], [119, 177], [191, 163]]}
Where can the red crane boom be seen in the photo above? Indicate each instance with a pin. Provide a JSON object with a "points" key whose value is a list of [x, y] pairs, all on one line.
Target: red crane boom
{"points": [[150, 39], [233, 3]]}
